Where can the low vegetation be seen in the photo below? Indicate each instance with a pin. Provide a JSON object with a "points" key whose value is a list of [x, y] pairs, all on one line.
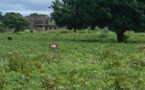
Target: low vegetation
{"points": [[86, 60]]}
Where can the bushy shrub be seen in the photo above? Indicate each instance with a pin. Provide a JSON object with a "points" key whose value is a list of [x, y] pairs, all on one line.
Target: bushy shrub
{"points": [[31, 31], [2, 29]]}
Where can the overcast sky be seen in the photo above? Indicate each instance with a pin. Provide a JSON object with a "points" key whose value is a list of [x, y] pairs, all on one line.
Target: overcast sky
{"points": [[25, 7]]}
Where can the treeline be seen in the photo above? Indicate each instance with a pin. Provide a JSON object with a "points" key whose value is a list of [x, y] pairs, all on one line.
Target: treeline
{"points": [[118, 15], [12, 20]]}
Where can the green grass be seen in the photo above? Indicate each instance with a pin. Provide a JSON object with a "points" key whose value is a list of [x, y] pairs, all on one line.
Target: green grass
{"points": [[86, 60]]}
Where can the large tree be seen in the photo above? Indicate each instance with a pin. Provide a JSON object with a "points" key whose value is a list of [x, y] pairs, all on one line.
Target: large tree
{"points": [[118, 15], [126, 15], [15, 20]]}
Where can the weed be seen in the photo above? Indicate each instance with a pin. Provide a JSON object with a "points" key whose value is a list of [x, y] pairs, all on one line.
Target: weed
{"points": [[82, 61], [1, 82]]}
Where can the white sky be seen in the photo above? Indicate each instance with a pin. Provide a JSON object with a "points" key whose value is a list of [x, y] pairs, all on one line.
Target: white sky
{"points": [[26, 7]]}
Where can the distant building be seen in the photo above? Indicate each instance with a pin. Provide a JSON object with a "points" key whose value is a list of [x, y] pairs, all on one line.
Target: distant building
{"points": [[41, 22]]}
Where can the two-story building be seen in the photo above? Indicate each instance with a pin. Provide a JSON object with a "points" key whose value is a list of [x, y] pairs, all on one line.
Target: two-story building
{"points": [[41, 22]]}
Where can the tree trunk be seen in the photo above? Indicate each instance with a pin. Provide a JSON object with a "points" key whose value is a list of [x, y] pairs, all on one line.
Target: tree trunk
{"points": [[75, 30], [120, 37]]}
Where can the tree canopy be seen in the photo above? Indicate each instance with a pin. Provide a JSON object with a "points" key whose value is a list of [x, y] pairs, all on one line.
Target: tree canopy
{"points": [[118, 15], [1, 16], [15, 20], [68, 13]]}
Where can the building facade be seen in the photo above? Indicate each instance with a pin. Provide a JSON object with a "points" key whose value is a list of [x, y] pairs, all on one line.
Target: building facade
{"points": [[41, 22]]}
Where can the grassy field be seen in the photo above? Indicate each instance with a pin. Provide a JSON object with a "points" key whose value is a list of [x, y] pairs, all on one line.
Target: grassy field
{"points": [[86, 60]]}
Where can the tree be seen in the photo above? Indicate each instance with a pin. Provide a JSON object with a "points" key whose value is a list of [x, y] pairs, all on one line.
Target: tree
{"points": [[118, 15], [15, 20], [2, 28], [126, 15], [1, 16]]}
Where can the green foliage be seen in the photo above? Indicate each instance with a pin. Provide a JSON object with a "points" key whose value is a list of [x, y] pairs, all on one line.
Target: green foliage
{"points": [[14, 20], [64, 31], [1, 82], [31, 30], [68, 14], [54, 83], [82, 61], [121, 83], [71, 81], [103, 33], [137, 64], [2, 29], [1, 16], [52, 59]]}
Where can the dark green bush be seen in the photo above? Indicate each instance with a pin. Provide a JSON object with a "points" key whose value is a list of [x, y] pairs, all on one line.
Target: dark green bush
{"points": [[2, 29]]}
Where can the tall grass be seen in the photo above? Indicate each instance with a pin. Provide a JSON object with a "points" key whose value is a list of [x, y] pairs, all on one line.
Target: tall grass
{"points": [[83, 60]]}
